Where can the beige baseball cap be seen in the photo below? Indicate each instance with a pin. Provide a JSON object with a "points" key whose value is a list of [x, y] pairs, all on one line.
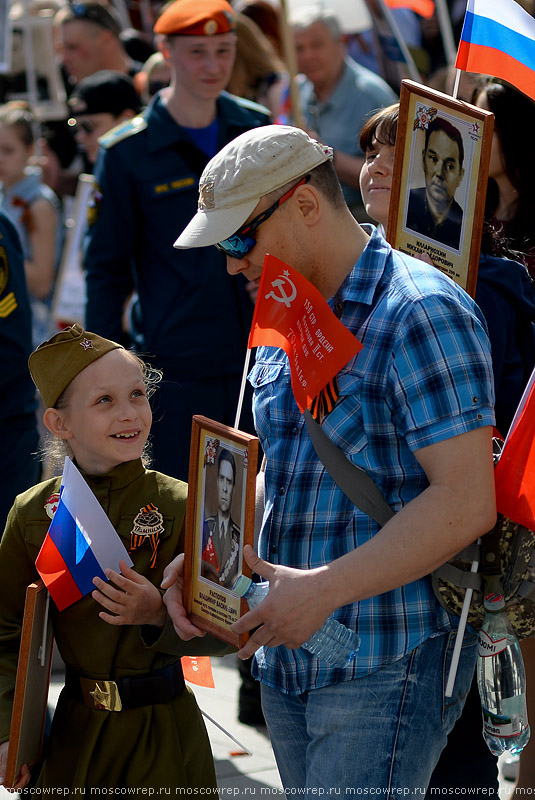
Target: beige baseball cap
{"points": [[249, 167]]}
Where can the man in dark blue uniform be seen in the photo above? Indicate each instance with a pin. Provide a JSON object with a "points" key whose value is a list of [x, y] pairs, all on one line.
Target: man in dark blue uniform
{"points": [[194, 320], [19, 467]]}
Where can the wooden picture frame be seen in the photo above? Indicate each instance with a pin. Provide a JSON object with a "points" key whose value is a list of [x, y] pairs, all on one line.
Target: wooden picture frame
{"points": [[430, 214], [32, 683], [214, 553]]}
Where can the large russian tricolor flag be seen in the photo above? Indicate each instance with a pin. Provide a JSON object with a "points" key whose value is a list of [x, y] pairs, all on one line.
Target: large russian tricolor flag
{"points": [[80, 544], [498, 38]]}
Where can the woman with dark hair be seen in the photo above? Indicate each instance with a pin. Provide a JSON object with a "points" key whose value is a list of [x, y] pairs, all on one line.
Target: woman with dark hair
{"points": [[506, 295], [510, 200]]}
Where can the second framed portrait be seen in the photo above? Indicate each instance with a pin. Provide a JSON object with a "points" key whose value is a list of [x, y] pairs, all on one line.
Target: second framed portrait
{"points": [[439, 186], [219, 523]]}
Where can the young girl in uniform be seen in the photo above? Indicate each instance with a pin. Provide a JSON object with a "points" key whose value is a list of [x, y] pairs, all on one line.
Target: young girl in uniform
{"points": [[96, 398]]}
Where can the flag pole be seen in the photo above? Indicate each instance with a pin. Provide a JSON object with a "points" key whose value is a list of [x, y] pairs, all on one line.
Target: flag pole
{"points": [[290, 59], [221, 728], [446, 32], [412, 69], [456, 85], [242, 388], [460, 634], [449, 47]]}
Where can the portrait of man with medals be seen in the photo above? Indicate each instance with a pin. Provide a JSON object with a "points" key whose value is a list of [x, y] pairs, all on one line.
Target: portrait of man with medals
{"points": [[221, 535]]}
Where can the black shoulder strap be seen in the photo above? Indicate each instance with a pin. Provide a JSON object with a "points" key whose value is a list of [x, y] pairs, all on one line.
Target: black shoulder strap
{"points": [[354, 482], [194, 158]]}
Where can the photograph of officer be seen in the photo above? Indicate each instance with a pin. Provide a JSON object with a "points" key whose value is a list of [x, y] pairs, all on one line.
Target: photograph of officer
{"points": [[221, 536], [432, 209]]}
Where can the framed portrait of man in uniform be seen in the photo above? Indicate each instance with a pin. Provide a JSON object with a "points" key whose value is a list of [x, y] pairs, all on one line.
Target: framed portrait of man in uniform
{"points": [[439, 184], [219, 523]]}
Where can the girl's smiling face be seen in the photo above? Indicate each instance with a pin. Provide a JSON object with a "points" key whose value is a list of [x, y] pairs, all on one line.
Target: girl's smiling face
{"points": [[107, 416]]}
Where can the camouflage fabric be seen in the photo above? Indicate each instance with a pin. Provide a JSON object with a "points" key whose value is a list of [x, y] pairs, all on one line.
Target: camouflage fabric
{"points": [[514, 547]]}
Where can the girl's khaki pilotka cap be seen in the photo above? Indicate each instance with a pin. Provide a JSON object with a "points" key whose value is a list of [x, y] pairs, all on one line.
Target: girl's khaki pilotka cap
{"points": [[57, 361]]}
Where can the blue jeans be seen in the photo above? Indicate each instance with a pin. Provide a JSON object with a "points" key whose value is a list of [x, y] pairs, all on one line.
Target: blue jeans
{"points": [[381, 734]]}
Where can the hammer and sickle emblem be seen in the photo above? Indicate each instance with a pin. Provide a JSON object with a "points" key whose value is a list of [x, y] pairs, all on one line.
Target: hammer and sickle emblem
{"points": [[279, 283]]}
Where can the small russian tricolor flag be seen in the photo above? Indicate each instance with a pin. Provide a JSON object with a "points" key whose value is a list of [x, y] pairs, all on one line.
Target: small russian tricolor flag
{"points": [[498, 38], [80, 544]]}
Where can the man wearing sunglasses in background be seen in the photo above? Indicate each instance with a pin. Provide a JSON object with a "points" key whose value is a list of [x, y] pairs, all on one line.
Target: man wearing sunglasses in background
{"points": [[99, 103], [415, 411], [88, 40], [192, 319]]}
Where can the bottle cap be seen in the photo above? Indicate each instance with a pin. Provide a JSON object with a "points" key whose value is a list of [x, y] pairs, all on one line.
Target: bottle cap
{"points": [[241, 585], [494, 601]]}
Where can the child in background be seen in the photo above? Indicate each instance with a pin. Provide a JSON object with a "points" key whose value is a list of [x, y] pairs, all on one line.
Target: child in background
{"points": [[35, 210], [96, 398]]}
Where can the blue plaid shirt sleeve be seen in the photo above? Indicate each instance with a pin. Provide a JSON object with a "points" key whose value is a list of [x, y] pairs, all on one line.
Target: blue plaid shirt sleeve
{"points": [[441, 377]]}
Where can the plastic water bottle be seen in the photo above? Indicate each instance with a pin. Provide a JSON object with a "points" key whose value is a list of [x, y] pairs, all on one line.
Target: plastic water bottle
{"points": [[502, 681], [334, 643]]}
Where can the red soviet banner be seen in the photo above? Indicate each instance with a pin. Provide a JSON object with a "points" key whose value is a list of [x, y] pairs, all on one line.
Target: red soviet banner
{"points": [[291, 314]]}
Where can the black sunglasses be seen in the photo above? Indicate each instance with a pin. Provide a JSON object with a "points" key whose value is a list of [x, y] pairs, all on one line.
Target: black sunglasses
{"points": [[97, 14], [238, 245]]}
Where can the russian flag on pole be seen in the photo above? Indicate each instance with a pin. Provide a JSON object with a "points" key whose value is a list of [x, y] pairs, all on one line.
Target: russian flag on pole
{"points": [[80, 544], [498, 38]]}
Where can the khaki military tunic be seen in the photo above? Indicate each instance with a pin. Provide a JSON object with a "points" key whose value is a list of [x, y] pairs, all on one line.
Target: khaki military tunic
{"points": [[153, 746]]}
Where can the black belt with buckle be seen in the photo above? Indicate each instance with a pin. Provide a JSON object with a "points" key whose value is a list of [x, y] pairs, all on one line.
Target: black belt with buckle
{"points": [[146, 689]]}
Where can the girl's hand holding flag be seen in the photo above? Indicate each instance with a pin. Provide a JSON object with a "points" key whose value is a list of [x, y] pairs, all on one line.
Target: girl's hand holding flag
{"points": [[130, 598]]}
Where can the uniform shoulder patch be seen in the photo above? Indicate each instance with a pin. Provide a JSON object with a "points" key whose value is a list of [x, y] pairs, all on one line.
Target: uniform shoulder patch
{"points": [[7, 305], [123, 131]]}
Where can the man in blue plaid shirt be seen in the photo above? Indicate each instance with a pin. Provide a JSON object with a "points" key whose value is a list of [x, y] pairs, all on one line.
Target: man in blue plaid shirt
{"points": [[415, 410]]}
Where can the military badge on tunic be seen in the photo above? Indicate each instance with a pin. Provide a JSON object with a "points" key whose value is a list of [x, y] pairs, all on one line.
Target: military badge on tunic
{"points": [[51, 505], [93, 207], [4, 269], [148, 526], [209, 554]]}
